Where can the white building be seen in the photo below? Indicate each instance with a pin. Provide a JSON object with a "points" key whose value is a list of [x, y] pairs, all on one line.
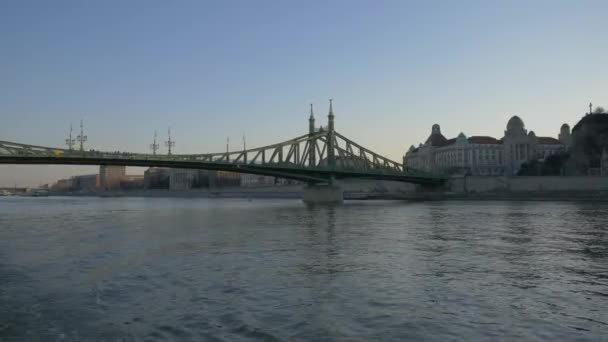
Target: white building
{"points": [[182, 179], [484, 155]]}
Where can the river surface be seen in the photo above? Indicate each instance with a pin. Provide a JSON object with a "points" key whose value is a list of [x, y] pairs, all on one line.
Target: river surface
{"points": [[132, 269]]}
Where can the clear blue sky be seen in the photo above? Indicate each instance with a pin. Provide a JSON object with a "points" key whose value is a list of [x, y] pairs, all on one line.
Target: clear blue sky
{"points": [[211, 69]]}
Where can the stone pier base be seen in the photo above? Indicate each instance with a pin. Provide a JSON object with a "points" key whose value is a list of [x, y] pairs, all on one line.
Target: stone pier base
{"points": [[322, 194]]}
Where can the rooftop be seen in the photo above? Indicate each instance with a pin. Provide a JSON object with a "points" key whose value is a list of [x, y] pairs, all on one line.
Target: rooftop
{"points": [[548, 141], [436, 139], [483, 139]]}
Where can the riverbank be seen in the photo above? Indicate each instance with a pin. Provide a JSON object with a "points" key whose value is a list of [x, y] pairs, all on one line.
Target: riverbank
{"points": [[531, 196], [274, 192], [297, 194], [465, 188]]}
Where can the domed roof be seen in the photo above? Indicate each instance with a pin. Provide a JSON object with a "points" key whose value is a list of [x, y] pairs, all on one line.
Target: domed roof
{"points": [[532, 134], [436, 129], [515, 123], [565, 126], [436, 140]]}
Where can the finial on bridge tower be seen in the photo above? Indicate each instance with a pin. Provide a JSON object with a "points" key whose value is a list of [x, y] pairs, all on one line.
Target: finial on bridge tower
{"points": [[311, 121], [331, 116], [331, 156], [590, 105]]}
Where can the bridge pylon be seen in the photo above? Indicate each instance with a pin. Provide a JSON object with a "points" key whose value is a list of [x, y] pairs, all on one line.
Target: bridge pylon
{"points": [[323, 194]]}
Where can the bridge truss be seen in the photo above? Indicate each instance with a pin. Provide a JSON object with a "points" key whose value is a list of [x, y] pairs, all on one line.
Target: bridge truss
{"points": [[321, 156]]}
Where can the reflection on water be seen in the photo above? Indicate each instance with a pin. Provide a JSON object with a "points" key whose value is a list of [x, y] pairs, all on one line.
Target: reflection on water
{"points": [[91, 269]]}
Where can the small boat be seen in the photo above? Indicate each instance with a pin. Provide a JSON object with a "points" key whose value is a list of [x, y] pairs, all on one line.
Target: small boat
{"points": [[40, 193]]}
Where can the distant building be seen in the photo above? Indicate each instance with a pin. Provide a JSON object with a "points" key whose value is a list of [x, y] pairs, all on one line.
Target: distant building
{"points": [[186, 179], [62, 185], [589, 144], [132, 182], [521, 146], [157, 178], [224, 179], [250, 180], [111, 176], [85, 183], [182, 179], [485, 155]]}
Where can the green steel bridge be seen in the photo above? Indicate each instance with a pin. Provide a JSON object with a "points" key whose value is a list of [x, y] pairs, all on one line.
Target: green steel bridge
{"points": [[319, 157]]}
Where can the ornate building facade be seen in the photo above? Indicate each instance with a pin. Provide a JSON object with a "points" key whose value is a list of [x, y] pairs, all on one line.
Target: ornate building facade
{"points": [[485, 155]]}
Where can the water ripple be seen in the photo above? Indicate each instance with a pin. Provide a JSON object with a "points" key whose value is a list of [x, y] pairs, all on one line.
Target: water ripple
{"points": [[89, 269]]}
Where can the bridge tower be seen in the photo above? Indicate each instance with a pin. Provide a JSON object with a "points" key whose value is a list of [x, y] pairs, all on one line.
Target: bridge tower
{"points": [[329, 193], [312, 160]]}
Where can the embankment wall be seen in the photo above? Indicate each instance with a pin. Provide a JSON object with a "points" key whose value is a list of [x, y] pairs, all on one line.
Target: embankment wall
{"points": [[521, 184]]}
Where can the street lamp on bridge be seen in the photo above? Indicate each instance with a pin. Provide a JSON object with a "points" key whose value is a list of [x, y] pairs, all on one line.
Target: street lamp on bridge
{"points": [[81, 138], [70, 141], [169, 143], [154, 145]]}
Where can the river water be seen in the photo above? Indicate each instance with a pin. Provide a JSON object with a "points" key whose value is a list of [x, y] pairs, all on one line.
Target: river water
{"points": [[153, 269]]}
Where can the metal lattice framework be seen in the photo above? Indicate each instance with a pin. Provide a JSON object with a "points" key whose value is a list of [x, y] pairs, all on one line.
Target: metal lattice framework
{"points": [[322, 155]]}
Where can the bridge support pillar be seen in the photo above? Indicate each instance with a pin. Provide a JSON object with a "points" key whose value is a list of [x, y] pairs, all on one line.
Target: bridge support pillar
{"points": [[323, 194]]}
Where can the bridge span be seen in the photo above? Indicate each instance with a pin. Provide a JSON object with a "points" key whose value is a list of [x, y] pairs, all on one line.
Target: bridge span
{"points": [[319, 158]]}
